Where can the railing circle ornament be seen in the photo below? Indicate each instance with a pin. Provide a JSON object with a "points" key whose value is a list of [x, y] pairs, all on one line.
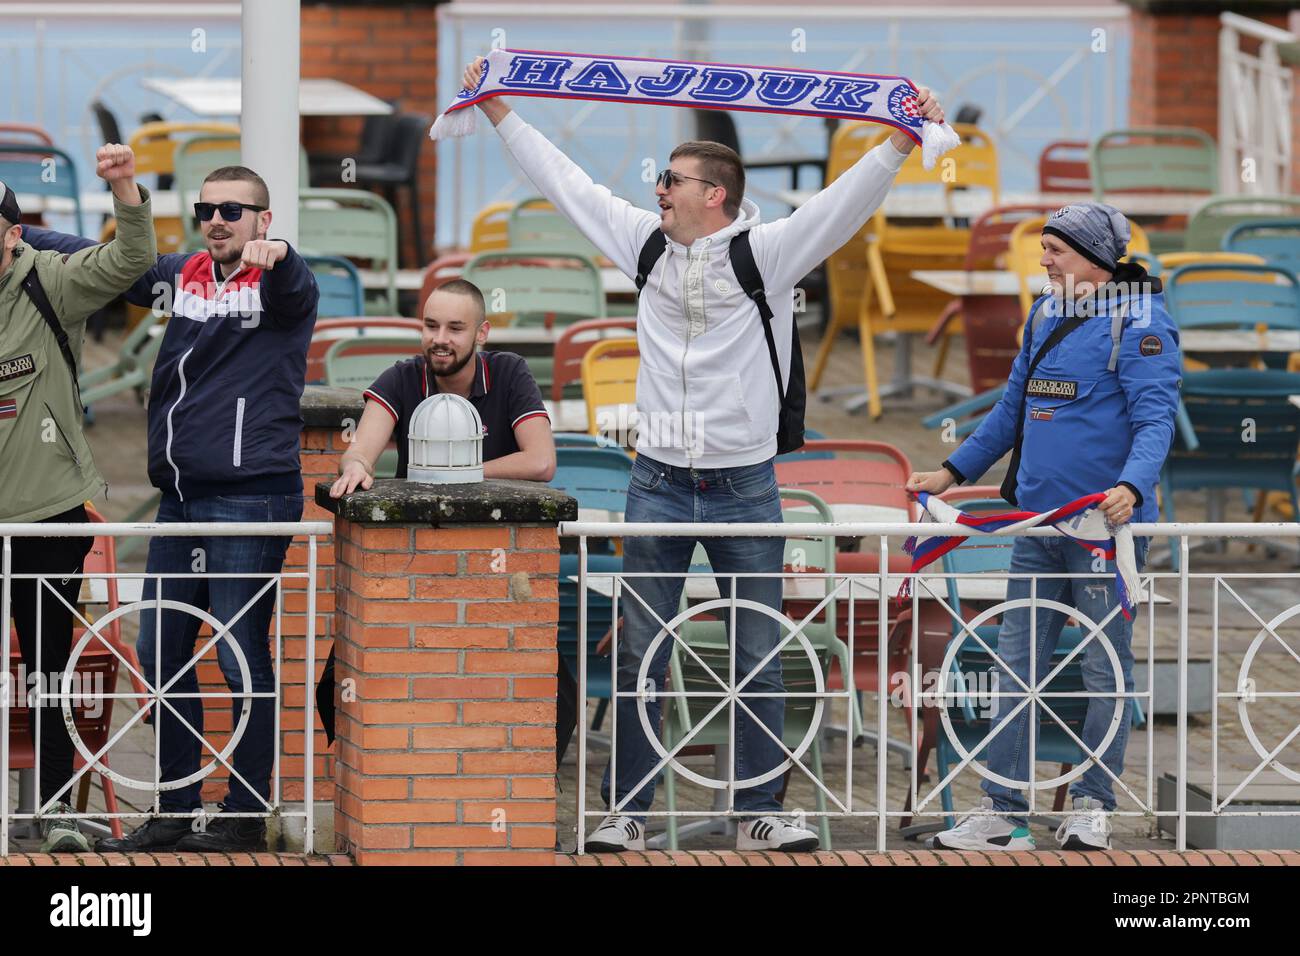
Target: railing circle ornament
{"points": [[1243, 676], [729, 694], [1034, 695], [66, 692]]}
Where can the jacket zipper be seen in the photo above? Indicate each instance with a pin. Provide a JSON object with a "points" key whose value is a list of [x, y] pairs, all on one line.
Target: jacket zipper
{"points": [[71, 450], [239, 432], [180, 371], [686, 309]]}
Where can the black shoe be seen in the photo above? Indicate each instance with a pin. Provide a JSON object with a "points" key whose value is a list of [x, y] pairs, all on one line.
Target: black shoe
{"points": [[160, 834], [227, 835]]}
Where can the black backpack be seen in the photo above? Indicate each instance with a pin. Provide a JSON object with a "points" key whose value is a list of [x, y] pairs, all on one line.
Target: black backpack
{"points": [[789, 429]]}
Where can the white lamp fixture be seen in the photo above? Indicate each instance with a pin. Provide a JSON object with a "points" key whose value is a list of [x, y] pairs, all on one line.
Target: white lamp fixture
{"points": [[445, 441]]}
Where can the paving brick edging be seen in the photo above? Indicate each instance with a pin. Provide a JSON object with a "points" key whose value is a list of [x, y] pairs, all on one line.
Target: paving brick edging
{"points": [[939, 858], [175, 859], [716, 858]]}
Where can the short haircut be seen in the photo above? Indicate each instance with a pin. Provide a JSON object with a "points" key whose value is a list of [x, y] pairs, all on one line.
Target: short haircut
{"points": [[242, 174], [469, 290], [720, 164]]}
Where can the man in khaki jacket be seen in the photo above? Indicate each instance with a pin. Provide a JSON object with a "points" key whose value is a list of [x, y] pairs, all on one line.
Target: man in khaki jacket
{"points": [[47, 471]]}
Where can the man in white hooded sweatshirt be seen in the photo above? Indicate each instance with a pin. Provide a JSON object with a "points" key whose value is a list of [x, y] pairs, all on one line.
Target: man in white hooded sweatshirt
{"points": [[707, 391]]}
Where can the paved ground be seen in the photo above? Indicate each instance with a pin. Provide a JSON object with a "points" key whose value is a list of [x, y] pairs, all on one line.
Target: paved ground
{"points": [[118, 439]]}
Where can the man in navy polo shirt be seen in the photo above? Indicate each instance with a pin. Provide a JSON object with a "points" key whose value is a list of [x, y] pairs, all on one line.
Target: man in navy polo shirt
{"points": [[517, 439]]}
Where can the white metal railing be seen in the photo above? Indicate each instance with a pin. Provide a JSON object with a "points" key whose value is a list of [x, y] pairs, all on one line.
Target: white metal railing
{"points": [[1060, 74], [157, 695], [1254, 109], [931, 585]]}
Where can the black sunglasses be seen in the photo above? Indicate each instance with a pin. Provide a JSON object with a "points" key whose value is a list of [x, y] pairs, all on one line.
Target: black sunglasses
{"points": [[668, 179], [230, 211]]}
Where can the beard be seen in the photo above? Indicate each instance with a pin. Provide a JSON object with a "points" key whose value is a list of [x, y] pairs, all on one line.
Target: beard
{"points": [[458, 362], [231, 255]]}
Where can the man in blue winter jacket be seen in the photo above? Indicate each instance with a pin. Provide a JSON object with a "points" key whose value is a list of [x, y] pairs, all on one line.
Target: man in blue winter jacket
{"points": [[1090, 407], [224, 426]]}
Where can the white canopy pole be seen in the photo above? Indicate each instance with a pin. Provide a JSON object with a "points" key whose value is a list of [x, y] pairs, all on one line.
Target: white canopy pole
{"points": [[269, 105]]}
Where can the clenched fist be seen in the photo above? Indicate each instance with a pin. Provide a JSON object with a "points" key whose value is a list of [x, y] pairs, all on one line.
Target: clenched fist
{"points": [[114, 162], [262, 253]]}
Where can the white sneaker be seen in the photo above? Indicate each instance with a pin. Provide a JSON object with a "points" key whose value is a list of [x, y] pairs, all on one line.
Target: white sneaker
{"points": [[615, 834], [1087, 828], [773, 833], [982, 830]]}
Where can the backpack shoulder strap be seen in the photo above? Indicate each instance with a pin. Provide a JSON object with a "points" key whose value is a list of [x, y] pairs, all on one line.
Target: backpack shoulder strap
{"points": [[1116, 333], [746, 269], [654, 247], [36, 292]]}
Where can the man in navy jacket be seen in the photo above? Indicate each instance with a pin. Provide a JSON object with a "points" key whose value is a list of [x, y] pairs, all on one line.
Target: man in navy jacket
{"points": [[224, 427]]}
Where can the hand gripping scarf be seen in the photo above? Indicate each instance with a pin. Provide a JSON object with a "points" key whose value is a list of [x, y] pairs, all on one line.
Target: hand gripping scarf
{"points": [[890, 100], [1080, 520]]}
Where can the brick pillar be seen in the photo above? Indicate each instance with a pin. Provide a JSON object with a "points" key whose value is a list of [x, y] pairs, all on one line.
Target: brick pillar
{"points": [[1174, 58], [447, 610], [390, 50]]}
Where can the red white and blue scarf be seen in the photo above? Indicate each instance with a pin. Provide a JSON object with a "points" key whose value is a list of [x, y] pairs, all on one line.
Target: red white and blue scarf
{"points": [[1080, 520], [890, 100]]}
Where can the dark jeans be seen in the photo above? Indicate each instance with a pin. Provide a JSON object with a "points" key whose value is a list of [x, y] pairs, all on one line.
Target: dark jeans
{"points": [[662, 493], [180, 751], [48, 556]]}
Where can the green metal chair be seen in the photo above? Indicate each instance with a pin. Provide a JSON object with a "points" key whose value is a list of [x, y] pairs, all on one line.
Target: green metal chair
{"points": [[357, 362], [133, 367], [357, 225], [709, 647], [536, 226], [539, 288], [1154, 159], [1209, 225]]}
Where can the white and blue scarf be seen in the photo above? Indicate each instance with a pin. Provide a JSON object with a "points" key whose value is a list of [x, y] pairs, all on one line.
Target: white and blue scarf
{"points": [[889, 100], [1081, 520]]}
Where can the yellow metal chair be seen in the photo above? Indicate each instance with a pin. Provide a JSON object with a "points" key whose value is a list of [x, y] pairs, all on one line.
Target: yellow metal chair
{"points": [[870, 276], [154, 145], [491, 228], [609, 371]]}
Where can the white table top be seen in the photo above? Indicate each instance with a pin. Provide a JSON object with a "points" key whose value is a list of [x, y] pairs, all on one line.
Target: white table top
{"points": [[1239, 340], [971, 204], [220, 96], [98, 202], [959, 282], [567, 415], [95, 590]]}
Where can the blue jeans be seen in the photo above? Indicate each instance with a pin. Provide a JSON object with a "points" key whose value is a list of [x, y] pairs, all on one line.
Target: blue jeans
{"points": [[180, 752], [1093, 597], [662, 493]]}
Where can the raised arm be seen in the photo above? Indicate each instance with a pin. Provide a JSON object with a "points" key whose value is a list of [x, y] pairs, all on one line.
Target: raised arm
{"points": [[97, 274], [614, 226], [788, 249]]}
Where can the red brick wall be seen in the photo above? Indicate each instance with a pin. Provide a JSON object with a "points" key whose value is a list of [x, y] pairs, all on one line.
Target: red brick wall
{"points": [[390, 52], [1174, 74]]}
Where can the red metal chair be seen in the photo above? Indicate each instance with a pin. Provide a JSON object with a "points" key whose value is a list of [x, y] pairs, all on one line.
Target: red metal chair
{"points": [[1063, 167], [990, 322], [329, 331], [97, 667], [439, 272], [573, 344]]}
